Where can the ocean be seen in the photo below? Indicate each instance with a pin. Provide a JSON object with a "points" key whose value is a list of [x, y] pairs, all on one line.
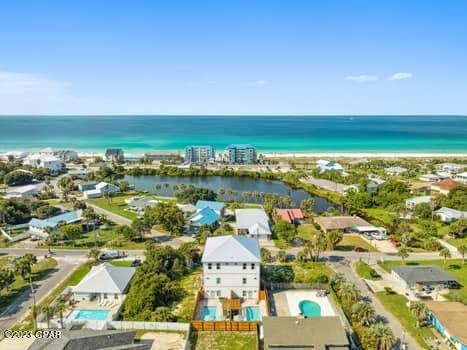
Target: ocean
{"points": [[136, 134]]}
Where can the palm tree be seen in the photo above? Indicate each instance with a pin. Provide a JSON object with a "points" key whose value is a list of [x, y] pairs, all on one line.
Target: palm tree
{"points": [[221, 191], [419, 311], [349, 293], [403, 252], [462, 249], [94, 254], [59, 308], [364, 313], [445, 253], [383, 336]]}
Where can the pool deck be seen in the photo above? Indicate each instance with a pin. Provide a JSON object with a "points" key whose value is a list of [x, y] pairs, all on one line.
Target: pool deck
{"points": [[217, 303], [94, 305], [285, 303]]}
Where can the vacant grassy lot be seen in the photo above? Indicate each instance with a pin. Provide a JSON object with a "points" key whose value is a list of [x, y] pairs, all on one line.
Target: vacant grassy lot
{"points": [[116, 205], [306, 231], [307, 272], [366, 271], [190, 284], [396, 304], [453, 266], [223, 340], [350, 242], [39, 272], [457, 242]]}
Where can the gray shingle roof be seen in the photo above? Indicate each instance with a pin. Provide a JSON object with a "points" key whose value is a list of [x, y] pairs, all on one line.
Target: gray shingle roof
{"points": [[423, 274]]}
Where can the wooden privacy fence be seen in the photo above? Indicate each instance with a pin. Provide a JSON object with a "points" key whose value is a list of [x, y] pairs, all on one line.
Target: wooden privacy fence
{"points": [[238, 326]]}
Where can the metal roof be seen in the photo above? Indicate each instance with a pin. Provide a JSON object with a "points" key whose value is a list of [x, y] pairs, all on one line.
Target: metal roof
{"points": [[240, 249]]}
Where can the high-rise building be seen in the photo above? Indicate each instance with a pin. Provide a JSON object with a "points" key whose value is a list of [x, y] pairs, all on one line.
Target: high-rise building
{"points": [[199, 154], [241, 154]]}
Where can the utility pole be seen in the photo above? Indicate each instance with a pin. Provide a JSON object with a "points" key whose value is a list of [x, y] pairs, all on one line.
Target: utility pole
{"points": [[33, 304]]}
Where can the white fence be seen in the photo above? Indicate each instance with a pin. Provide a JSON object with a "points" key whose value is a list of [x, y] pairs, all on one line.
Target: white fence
{"points": [[156, 326]]}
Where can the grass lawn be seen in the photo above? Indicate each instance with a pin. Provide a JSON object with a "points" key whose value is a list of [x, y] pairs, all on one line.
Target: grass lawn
{"points": [[366, 271], [58, 202], [190, 285], [381, 215], [121, 263], [306, 231], [91, 239], [349, 242], [395, 304], [453, 266], [79, 274], [457, 242], [117, 205], [39, 272], [223, 340], [307, 272]]}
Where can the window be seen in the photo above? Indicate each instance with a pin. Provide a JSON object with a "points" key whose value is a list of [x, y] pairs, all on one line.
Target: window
{"points": [[218, 266], [209, 266], [244, 266], [218, 293], [252, 266], [244, 280], [244, 293], [218, 280]]}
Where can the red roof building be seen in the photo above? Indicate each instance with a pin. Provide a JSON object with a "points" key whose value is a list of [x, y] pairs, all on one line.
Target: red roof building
{"points": [[290, 215]]}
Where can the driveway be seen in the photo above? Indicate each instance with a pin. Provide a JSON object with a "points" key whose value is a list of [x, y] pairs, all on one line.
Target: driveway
{"points": [[385, 316]]}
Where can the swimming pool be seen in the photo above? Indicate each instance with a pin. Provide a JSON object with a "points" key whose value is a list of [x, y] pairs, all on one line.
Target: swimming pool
{"points": [[309, 308], [87, 314], [252, 313], [209, 313]]}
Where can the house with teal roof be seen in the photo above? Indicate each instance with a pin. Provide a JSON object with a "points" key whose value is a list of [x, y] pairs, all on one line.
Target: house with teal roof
{"points": [[218, 207], [205, 216], [39, 228]]}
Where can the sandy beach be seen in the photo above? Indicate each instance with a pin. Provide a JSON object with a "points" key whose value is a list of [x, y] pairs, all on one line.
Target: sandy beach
{"points": [[364, 155]]}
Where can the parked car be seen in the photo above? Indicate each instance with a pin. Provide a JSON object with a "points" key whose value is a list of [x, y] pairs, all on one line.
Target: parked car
{"points": [[111, 254], [360, 250], [135, 263]]}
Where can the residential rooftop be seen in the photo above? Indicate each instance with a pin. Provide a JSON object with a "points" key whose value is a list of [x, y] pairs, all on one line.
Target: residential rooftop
{"points": [[423, 274], [232, 249]]}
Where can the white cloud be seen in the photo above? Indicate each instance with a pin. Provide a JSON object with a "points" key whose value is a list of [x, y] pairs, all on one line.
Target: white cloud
{"points": [[401, 76], [361, 78], [261, 82], [32, 93]]}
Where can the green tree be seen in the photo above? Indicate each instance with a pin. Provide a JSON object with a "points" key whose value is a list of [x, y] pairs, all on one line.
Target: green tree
{"points": [[333, 238], [124, 186], [349, 293], [65, 183], [383, 336], [93, 255], [284, 230], [462, 249], [7, 277], [166, 214], [71, 232], [419, 311], [139, 228], [193, 194], [281, 256], [403, 252], [163, 314], [307, 205], [445, 253], [266, 256], [363, 313]]}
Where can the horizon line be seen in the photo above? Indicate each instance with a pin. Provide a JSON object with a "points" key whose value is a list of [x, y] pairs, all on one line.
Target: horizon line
{"points": [[230, 115]]}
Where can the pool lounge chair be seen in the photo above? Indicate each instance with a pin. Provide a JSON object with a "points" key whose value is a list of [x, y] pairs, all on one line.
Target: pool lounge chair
{"points": [[238, 318]]}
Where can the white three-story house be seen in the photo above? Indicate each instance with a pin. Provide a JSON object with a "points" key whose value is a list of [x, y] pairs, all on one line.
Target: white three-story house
{"points": [[231, 267]]}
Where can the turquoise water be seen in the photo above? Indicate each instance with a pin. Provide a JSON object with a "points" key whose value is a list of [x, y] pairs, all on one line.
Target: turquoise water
{"points": [[252, 313], [209, 313], [309, 308], [86, 314], [135, 134]]}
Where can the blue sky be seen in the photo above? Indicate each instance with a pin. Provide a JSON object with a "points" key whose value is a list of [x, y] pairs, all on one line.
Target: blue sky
{"points": [[233, 57]]}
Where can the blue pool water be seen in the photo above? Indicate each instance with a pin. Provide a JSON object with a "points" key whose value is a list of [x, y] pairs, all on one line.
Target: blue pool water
{"points": [[252, 313], [209, 313], [309, 308], [91, 314]]}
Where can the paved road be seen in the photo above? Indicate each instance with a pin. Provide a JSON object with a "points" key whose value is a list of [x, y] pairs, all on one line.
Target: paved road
{"points": [[21, 305], [344, 267], [162, 238]]}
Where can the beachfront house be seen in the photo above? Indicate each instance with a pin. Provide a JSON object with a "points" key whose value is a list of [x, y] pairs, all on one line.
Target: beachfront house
{"points": [[451, 168], [62, 154], [345, 224], [101, 190], [241, 154], [203, 217], [395, 170], [87, 186], [231, 267], [218, 207], [445, 186], [412, 202], [462, 177], [199, 154], [114, 155], [104, 281], [318, 333], [40, 228], [253, 223], [449, 318], [51, 163], [420, 276], [449, 215], [290, 215], [327, 165], [159, 156]]}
